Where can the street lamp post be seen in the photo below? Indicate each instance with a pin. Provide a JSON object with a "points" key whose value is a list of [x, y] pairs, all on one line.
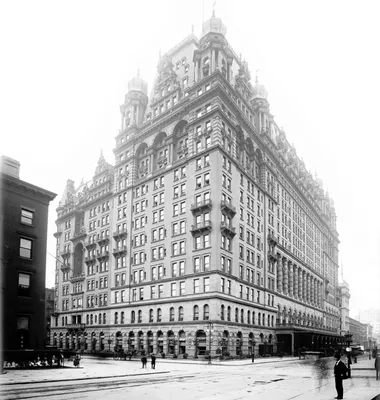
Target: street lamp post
{"points": [[210, 327], [348, 337]]}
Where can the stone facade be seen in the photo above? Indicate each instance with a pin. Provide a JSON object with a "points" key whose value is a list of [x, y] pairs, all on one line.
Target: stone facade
{"points": [[208, 233]]}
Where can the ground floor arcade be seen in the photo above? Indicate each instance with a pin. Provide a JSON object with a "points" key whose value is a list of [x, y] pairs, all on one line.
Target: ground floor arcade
{"points": [[194, 341]]}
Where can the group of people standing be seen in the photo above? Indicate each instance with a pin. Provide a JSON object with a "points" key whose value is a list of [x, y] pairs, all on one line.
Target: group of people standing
{"points": [[144, 361]]}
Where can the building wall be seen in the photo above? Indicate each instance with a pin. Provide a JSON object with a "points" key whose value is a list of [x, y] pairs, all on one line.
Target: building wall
{"points": [[23, 316]]}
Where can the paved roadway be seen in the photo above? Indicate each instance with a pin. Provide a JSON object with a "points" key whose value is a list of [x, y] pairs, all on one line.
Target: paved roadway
{"points": [[272, 379]]}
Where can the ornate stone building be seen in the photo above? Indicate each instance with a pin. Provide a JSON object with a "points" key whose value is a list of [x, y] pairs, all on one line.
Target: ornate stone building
{"points": [[208, 233]]}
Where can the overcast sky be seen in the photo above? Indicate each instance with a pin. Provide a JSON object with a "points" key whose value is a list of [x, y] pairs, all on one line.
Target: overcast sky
{"points": [[65, 67]]}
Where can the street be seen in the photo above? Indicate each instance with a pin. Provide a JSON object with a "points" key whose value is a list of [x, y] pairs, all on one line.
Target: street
{"points": [[277, 380]]}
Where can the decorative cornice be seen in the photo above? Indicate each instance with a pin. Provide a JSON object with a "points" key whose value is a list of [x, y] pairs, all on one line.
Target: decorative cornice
{"points": [[26, 189]]}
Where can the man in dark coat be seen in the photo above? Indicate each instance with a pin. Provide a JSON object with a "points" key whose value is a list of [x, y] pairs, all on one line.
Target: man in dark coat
{"points": [[377, 366], [153, 361], [144, 361], [340, 370]]}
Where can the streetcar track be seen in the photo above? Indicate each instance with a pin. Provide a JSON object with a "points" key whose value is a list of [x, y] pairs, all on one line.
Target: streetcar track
{"points": [[30, 393]]}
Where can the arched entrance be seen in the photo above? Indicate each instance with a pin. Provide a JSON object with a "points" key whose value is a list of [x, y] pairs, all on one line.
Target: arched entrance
{"points": [[171, 342], [131, 342], [93, 341], [201, 343], [225, 343], [239, 344], [119, 340], [160, 342], [140, 342], [181, 342], [101, 341], [150, 342], [251, 344]]}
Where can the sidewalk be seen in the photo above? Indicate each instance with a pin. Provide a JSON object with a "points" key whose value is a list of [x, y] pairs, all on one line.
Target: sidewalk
{"points": [[102, 368]]}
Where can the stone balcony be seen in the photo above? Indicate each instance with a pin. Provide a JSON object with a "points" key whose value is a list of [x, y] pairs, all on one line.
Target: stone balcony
{"points": [[201, 227]]}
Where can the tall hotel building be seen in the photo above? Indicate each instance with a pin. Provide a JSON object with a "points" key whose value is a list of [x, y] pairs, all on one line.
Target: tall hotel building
{"points": [[208, 233]]}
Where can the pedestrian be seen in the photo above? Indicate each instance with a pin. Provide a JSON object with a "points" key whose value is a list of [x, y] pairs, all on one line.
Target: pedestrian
{"points": [[377, 367], [153, 361], [144, 361], [321, 370], [253, 356], [340, 372]]}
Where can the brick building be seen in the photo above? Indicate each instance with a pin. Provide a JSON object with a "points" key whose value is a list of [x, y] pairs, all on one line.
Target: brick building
{"points": [[24, 217]]}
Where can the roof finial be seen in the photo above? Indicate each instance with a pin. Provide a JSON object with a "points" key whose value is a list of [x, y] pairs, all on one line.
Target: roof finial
{"points": [[213, 9], [257, 76]]}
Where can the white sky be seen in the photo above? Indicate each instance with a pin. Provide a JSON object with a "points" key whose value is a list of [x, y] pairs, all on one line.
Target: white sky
{"points": [[65, 67]]}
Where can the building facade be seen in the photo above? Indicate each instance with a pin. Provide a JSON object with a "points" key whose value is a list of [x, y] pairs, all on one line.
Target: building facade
{"points": [[208, 233], [24, 217], [344, 306], [49, 310]]}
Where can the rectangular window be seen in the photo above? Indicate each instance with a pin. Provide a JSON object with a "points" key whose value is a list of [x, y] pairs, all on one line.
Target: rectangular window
{"points": [[27, 217], [206, 284], [196, 285], [160, 291], [182, 290], [196, 264], [173, 289], [25, 248], [23, 284]]}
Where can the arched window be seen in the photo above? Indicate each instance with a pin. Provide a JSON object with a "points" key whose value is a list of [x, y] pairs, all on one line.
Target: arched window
{"points": [[122, 317], [100, 319], [236, 315], [259, 319], [171, 314], [206, 312], [139, 316], [248, 317], [263, 319], [116, 318], [159, 315], [242, 316], [133, 317], [196, 313], [268, 320], [180, 314], [91, 319], [104, 318], [151, 315], [253, 318], [228, 313], [222, 312]]}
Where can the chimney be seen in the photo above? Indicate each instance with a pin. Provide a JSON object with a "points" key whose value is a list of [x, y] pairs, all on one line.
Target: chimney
{"points": [[10, 166]]}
